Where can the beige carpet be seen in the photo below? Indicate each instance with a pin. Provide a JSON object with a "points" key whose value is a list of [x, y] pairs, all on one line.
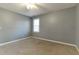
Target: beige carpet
{"points": [[36, 47]]}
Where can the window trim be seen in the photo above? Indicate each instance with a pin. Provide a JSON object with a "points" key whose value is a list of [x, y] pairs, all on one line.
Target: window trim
{"points": [[38, 30]]}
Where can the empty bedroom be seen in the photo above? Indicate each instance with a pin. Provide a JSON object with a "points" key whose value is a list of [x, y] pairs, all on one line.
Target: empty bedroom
{"points": [[39, 29]]}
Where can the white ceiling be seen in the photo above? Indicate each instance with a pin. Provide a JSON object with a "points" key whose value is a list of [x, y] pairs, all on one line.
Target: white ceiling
{"points": [[42, 8]]}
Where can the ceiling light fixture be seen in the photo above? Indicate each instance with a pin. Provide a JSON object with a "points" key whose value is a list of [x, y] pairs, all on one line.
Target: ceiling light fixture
{"points": [[30, 6]]}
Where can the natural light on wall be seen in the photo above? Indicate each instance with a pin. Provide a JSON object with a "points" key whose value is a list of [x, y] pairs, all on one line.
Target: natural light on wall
{"points": [[36, 25]]}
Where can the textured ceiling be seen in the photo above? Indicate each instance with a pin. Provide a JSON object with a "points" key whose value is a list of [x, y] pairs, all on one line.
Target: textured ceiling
{"points": [[42, 8]]}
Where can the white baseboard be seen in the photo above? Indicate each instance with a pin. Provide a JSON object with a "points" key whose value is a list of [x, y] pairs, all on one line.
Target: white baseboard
{"points": [[57, 42], [77, 48], [1, 44]]}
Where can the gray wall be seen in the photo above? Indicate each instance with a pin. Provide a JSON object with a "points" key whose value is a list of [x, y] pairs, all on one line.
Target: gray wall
{"points": [[77, 26], [14, 26], [59, 26]]}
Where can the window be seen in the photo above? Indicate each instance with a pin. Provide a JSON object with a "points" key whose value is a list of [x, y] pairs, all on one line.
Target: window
{"points": [[36, 25]]}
